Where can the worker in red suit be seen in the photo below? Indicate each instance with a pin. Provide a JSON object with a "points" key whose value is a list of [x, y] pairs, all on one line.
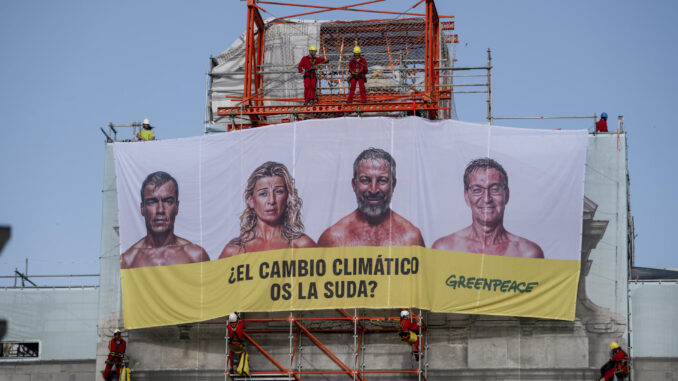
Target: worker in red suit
{"points": [[617, 365], [358, 71], [236, 341], [409, 332], [308, 65], [116, 351], [601, 125]]}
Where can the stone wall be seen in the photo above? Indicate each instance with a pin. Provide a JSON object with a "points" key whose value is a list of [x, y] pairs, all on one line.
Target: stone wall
{"points": [[48, 371]]}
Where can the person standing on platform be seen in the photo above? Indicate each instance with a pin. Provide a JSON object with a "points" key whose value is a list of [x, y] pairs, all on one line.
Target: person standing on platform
{"points": [[601, 125], [358, 69], [146, 133], [308, 65]]}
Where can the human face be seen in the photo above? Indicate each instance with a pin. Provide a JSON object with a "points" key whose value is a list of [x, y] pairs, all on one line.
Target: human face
{"points": [[160, 207], [269, 199], [312, 53], [373, 187], [487, 195]]}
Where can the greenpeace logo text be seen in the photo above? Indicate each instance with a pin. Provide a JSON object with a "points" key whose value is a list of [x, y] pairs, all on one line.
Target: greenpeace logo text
{"points": [[496, 285]]}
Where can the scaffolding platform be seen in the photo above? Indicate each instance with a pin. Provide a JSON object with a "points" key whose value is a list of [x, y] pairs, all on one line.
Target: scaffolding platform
{"points": [[297, 329], [256, 81]]}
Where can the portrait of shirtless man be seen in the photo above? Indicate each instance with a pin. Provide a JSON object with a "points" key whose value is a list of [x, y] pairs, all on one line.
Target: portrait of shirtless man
{"points": [[486, 192], [160, 246], [373, 223]]}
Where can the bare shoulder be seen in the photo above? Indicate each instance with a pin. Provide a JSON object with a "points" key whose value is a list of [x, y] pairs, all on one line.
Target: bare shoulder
{"points": [[526, 248], [411, 235], [452, 242], [195, 252], [529, 249], [232, 248], [303, 241], [127, 258], [335, 234]]}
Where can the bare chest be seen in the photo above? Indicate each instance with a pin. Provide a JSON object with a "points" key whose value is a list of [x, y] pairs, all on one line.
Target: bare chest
{"points": [[380, 235], [260, 244], [507, 248], [161, 256]]}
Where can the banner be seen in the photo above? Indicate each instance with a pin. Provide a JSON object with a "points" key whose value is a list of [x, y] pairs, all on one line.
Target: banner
{"points": [[351, 213]]}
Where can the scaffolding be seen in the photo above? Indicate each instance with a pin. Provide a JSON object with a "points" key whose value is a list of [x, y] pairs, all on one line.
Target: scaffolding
{"points": [[111, 134], [342, 322], [256, 81]]}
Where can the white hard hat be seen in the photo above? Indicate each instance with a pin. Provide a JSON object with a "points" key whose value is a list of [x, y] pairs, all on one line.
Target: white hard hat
{"points": [[232, 317], [404, 313], [117, 331], [146, 121]]}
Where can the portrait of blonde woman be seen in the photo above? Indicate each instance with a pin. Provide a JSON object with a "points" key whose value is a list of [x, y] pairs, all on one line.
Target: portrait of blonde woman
{"points": [[272, 216]]}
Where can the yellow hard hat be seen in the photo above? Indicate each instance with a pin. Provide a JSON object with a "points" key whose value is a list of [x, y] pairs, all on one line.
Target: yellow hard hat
{"points": [[356, 50], [614, 345], [312, 47]]}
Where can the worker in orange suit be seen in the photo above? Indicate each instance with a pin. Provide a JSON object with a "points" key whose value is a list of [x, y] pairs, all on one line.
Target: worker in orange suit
{"points": [[357, 68], [601, 125], [236, 341], [116, 352], [308, 66], [617, 366], [409, 332]]}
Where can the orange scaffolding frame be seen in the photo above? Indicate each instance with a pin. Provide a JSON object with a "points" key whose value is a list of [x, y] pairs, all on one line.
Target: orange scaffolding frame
{"points": [[297, 329], [426, 102], [251, 104]]}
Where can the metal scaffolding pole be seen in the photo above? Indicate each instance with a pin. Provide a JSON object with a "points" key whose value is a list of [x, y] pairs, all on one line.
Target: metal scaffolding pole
{"points": [[421, 343], [226, 367], [547, 117], [489, 86], [355, 342], [291, 353], [207, 102]]}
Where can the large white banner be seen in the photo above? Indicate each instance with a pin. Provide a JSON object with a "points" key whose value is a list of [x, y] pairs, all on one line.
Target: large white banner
{"points": [[346, 182]]}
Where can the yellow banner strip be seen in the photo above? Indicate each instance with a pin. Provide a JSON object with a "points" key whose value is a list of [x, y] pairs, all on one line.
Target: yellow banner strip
{"points": [[355, 277]]}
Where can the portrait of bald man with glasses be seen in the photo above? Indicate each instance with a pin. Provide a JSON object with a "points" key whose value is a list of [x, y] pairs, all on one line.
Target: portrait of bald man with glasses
{"points": [[486, 192]]}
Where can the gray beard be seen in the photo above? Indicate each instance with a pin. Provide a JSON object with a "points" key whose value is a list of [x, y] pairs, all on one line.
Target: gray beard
{"points": [[372, 211]]}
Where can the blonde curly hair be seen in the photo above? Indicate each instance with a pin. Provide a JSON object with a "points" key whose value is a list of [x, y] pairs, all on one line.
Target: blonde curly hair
{"points": [[292, 227]]}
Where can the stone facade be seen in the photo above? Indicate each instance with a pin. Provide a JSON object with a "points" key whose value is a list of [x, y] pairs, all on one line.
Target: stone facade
{"points": [[460, 347]]}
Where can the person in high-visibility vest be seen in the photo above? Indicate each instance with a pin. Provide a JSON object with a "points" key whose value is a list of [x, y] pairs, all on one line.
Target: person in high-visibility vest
{"points": [[358, 70], [237, 355], [147, 132], [308, 65], [116, 352], [409, 332]]}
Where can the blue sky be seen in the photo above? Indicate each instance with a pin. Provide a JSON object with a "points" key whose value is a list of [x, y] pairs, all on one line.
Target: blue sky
{"points": [[70, 67]]}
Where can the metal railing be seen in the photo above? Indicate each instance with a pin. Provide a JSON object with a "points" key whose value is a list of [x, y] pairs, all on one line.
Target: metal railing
{"points": [[112, 134], [22, 280]]}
